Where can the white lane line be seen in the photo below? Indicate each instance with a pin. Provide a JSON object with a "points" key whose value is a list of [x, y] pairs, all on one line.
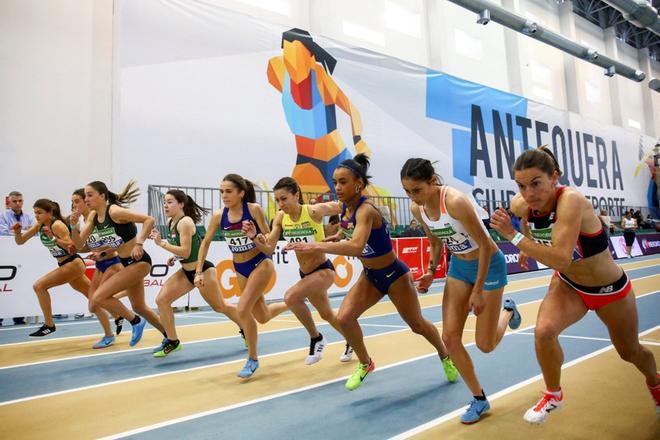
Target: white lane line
{"points": [[149, 376], [456, 413], [199, 341], [266, 398], [573, 337], [227, 320], [385, 325], [655, 344]]}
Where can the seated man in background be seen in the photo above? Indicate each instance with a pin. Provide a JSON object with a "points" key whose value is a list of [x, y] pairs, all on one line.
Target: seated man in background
{"points": [[413, 230]]}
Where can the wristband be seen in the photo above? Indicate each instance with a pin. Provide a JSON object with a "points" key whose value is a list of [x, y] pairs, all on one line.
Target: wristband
{"points": [[517, 238]]}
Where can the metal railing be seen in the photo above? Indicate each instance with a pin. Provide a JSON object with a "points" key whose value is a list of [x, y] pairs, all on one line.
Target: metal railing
{"points": [[395, 209]]}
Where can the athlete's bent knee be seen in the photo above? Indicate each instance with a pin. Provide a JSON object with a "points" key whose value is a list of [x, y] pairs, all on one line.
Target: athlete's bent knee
{"points": [[452, 340], [545, 332], [486, 345]]}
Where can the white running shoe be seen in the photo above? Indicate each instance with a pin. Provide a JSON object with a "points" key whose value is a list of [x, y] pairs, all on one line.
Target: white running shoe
{"points": [[315, 351], [543, 407], [347, 355]]}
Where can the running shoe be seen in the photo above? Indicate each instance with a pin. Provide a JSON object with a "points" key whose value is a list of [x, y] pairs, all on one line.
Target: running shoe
{"points": [[44, 330], [137, 332], [347, 355], [248, 370], [161, 346], [450, 370], [119, 323], [106, 341], [543, 407], [361, 372], [315, 350], [168, 347], [516, 319], [474, 412]]}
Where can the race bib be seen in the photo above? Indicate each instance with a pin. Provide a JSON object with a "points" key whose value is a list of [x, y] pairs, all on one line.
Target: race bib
{"points": [[299, 235], [237, 241]]}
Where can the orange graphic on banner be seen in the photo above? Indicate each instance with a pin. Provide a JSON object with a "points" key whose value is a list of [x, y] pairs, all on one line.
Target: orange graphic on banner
{"points": [[342, 261], [234, 288]]}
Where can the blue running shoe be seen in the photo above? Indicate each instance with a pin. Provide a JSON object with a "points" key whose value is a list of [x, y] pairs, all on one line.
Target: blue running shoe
{"points": [[137, 332], [248, 370], [474, 412], [162, 345], [106, 341], [516, 319]]}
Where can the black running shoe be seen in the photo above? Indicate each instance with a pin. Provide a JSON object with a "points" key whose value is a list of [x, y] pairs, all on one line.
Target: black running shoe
{"points": [[44, 330], [119, 322]]}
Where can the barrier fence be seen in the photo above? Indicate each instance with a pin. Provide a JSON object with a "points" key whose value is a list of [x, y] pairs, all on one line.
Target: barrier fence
{"points": [[396, 210]]}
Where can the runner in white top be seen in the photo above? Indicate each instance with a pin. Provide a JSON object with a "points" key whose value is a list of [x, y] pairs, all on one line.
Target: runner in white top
{"points": [[477, 271]]}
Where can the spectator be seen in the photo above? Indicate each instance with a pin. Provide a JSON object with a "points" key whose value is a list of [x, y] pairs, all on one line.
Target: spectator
{"points": [[15, 215], [413, 230], [607, 221], [629, 226], [9, 218]]}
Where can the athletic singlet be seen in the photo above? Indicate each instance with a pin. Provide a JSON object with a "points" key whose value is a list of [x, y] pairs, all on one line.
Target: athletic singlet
{"points": [[451, 231], [305, 230], [314, 122], [55, 249], [629, 223], [236, 239], [379, 242], [174, 239], [110, 233], [540, 227]]}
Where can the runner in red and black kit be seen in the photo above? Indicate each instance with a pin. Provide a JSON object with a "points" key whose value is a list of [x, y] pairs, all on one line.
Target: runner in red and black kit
{"points": [[563, 232]]}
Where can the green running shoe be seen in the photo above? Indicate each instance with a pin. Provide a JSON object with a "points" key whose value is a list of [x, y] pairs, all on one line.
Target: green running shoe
{"points": [[450, 370], [356, 378], [169, 347]]}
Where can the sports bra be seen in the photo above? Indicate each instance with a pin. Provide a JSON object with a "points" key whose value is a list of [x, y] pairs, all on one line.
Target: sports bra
{"points": [[379, 242]]}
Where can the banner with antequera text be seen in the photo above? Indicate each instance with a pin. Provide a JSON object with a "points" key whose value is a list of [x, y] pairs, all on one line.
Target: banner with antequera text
{"points": [[205, 92]]}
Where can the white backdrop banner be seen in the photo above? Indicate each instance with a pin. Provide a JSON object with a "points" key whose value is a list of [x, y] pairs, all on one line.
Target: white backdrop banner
{"points": [[21, 266], [213, 92]]}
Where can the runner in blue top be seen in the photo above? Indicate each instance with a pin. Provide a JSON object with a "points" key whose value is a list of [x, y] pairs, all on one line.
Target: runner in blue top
{"points": [[384, 274], [254, 269]]}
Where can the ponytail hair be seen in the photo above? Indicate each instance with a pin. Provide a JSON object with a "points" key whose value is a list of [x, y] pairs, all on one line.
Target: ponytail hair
{"points": [[243, 185], [542, 158], [420, 170], [290, 185], [359, 166], [128, 195], [50, 207], [190, 207]]}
